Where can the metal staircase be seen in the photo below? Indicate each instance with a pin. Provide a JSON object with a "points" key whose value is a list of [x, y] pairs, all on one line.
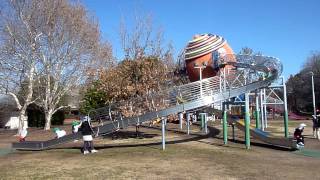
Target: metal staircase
{"points": [[248, 73]]}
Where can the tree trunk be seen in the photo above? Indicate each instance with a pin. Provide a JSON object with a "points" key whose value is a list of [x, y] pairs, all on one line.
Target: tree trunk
{"points": [[48, 116], [23, 120]]}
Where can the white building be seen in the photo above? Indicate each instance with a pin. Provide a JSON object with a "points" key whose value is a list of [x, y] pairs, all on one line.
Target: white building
{"points": [[8, 112]]}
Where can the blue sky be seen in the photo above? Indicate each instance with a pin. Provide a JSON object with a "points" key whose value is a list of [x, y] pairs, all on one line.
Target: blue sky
{"points": [[286, 29]]}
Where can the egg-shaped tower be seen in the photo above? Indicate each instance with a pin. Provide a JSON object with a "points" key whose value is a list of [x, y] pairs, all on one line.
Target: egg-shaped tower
{"points": [[206, 51]]}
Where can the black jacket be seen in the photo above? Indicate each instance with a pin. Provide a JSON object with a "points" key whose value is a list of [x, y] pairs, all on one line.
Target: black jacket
{"points": [[86, 129], [298, 133]]}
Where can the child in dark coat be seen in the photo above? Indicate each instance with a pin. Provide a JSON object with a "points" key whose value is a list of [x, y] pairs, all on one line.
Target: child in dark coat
{"points": [[298, 135], [87, 131]]}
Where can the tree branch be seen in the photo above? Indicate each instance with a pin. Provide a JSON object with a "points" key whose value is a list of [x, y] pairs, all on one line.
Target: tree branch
{"points": [[16, 100], [61, 107]]}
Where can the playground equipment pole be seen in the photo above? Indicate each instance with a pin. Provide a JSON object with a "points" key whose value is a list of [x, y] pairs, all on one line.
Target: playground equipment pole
{"points": [[225, 130], [265, 109], [261, 109], [188, 123], [313, 96], [180, 120], [163, 133], [204, 122], [285, 115], [200, 81], [257, 111], [233, 135], [224, 79], [247, 121], [202, 116]]}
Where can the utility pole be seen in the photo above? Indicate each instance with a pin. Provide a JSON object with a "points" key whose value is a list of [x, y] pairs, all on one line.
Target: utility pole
{"points": [[313, 95]]}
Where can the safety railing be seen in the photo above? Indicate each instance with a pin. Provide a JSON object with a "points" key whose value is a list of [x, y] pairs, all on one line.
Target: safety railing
{"points": [[247, 69]]}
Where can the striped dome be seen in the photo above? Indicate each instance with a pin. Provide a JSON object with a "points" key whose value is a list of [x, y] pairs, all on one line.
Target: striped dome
{"points": [[208, 51], [203, 44]]}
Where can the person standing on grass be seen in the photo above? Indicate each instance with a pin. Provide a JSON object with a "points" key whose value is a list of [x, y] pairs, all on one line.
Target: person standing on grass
{"points": [[87, 131], [316, 124]]}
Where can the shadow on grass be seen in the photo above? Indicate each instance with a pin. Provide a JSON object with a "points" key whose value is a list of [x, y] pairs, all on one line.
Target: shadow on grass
{"points": [[269, 146], [128, 134], [187, 138], [213, 132]]}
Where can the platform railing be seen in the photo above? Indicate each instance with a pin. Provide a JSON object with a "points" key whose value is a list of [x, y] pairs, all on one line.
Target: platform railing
{"points": [[247, 69]]}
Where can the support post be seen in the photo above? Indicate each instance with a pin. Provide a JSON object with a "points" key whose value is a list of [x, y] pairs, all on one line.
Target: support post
{"points": [[262, 110], [285, 115], [257, 111], [180, 120], [225, 127], [247, 121], [224, 79], [202, 116], [188, 123], [313, 95], [204, 122], [163, 134], [200, 83], [265, 108], [233, 133], [137, 131]]}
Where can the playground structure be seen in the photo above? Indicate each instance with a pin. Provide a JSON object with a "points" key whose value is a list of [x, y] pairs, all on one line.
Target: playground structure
{"points": [[205, 53], [271, 98], [237, 75]]}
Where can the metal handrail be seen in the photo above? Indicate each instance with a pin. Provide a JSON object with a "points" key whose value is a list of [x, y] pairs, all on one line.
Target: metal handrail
{"points": [[250, 70]]}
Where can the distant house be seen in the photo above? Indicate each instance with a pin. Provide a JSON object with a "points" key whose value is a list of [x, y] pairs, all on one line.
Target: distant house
{"points": [[8, 112]]}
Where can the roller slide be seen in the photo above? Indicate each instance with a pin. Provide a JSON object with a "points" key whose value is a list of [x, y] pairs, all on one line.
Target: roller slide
{"points": [[249, 73], [267, 137]]}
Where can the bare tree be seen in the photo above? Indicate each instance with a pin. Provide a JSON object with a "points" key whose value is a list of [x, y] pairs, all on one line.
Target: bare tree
{"points": [[146, 66], [299, 85], [313, 63], [249, 51], [246, 51], [19, 57], [66, 45], [142, 40]]}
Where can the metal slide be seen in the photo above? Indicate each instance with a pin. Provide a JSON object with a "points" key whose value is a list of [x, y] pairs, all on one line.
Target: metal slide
{"points": [[249, 73], [267, 137]]}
